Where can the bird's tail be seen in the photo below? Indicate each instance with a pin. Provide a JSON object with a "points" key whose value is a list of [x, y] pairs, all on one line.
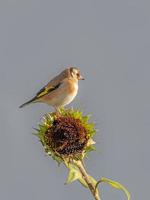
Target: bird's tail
{"points": [[28, 102]]}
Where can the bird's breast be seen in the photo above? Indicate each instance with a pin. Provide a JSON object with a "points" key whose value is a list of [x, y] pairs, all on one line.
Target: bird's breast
{"points": [[63, 95], [72, 88]]}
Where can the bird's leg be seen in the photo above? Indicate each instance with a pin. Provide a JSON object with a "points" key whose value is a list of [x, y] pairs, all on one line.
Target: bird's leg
{"points": [[57, 111]]}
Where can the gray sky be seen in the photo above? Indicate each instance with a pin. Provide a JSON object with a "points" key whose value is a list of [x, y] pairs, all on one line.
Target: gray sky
{"points": [[110, 42]]}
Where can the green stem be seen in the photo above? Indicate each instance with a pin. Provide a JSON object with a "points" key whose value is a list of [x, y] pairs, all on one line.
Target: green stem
{"points": [[87, 179]]}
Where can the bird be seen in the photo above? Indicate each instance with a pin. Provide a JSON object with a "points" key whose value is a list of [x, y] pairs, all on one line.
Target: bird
{"points": [[60, 91]]}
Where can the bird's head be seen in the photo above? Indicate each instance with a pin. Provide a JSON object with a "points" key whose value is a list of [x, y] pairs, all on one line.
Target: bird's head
{"points": [[75, 73]]}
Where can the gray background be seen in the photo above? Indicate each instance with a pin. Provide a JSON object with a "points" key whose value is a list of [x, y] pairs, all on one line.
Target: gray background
{"points": [[110, 42]]}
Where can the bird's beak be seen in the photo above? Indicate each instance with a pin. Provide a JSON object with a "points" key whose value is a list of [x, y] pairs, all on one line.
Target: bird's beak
{"points": [[81, 78]]}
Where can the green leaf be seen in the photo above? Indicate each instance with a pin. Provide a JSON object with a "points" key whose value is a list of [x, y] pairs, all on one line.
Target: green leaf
{"points": [[82, 181], [88, 149], [86, 118], [74, 174], [116, 185]]}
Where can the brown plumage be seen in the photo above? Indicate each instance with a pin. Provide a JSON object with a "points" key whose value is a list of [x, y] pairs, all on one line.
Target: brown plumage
{"points": [[60, 91]]}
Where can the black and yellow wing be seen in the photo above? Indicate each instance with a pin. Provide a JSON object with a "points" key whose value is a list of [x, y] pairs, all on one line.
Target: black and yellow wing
{"points": [[45, 90]]}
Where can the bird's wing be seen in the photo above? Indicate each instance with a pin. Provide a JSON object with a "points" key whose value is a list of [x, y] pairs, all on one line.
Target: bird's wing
{"points": [[47, 89], [59, 78], [53, 84]]}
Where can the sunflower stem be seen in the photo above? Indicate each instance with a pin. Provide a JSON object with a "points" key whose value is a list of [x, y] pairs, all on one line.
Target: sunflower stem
{"points": [[87, 179]]}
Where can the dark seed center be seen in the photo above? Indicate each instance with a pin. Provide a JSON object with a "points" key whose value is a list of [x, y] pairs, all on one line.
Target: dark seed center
{"points": [[66, 136]]}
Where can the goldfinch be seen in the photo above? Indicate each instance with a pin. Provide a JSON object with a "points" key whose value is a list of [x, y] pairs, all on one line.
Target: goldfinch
{"points": [[60, 91]]}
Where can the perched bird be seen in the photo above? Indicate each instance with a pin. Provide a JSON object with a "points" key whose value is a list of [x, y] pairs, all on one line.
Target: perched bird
{"points": [[60, 91]]}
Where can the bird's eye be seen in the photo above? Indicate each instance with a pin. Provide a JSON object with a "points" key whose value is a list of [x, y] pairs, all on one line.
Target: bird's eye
{"points": [[78, 74]]}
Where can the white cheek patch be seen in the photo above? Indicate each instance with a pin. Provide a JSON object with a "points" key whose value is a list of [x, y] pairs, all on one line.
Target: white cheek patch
{"points": [[74, 73]]}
